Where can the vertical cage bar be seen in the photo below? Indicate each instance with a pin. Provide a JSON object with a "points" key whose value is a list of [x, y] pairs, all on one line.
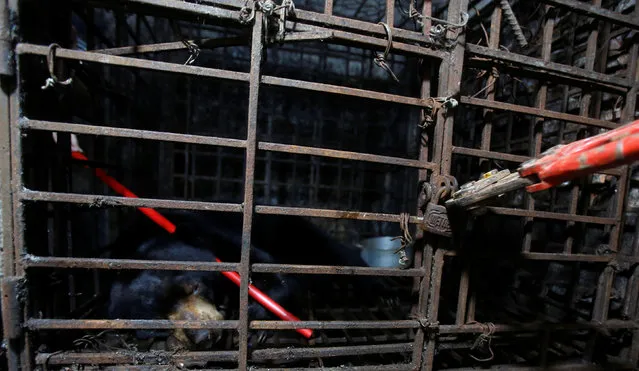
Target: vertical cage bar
{"points": [[433, 307], [455, 67], [390, 13], [328, 7], [8, 101], [536, 128], [424, 255], [251, 147], [585, 109]]}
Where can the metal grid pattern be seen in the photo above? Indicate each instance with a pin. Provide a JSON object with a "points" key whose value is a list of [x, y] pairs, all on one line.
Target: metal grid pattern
{"points": [[435, 337]]}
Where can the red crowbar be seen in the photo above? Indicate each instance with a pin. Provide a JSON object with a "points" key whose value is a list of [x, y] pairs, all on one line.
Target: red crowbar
{"points": [[163, 222], [557, 165]]}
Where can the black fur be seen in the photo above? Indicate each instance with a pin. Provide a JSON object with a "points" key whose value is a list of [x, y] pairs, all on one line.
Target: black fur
{"points": [[203, 236]]}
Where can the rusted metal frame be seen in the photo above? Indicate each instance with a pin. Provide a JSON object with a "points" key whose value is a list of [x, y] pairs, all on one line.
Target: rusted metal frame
{"points": [[466, 304], [423, 253], [13, 311], [393, 367], [493, 43], [539, 112], [488, 154], [422, 303], [130, 133], [339, 351], [332, 153], [569, 366], [536, 326], [398, 47], [328, 7], [120, 357], [536, 128], [596, 11], [584, 110], [173, 46], [130, 357], [342, 90], [249, 180], [334, 214], [37, 324], [348, 24], [551, 69], [31, 261], [215, 73], [97, 200], [10, 306], [191, 8], [455, 70], [334, 325], [552, 215], [585, 258], [213, 141], [335, 270], [433, 308], [146, 64], [390, 13]]}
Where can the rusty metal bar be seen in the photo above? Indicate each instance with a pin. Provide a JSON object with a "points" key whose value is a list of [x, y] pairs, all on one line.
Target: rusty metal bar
{"points": [[335, 22], [597, 12], [194, 8], [173, 46], [130, 357], [114, 60], [97, 200], [539, 112], [335, 270], [214, 141], [584, 258], [334, 325], [296, 353], [120, 357], [552, 215], [433, 306], [535, 130], [342, 90], [249, 180], [335, 214], [489, 154], [584, 110], [31, 261], [536, 326], [130, 133], [124, 324], [550, 69], [571, 366], [216, 73], [393, 367], [314, 151], [328, 7], [423, 254], [455, 70]]}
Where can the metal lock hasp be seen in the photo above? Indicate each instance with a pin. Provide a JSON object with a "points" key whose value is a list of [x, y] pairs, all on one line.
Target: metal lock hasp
{"points": [[435, 215]]}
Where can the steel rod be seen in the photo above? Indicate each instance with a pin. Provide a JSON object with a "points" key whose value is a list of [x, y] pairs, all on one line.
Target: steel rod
{"points": [[538, 112]]}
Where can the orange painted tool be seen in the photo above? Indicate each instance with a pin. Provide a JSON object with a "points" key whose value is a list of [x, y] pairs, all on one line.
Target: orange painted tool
{"points": [[163, 222]]}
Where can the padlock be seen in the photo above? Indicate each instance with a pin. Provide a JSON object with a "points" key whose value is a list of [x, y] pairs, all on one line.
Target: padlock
{"points": [[436, 217]]}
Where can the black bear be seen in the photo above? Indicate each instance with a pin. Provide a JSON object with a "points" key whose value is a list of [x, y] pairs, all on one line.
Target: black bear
{"points": [[204, 236]]}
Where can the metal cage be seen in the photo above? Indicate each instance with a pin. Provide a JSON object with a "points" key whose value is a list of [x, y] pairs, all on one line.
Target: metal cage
{"points": [[232, 106]]}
